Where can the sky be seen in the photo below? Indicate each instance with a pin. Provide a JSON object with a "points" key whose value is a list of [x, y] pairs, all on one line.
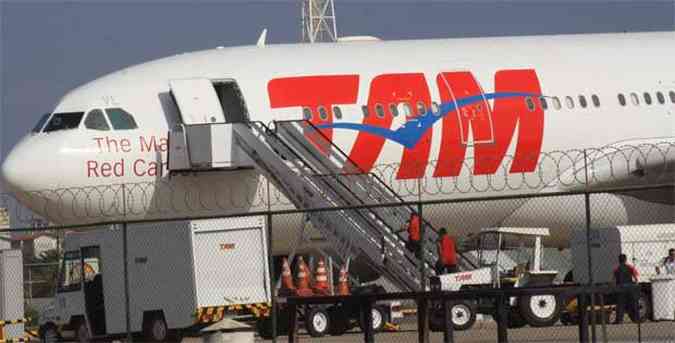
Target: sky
{"points": [[50, 47]]}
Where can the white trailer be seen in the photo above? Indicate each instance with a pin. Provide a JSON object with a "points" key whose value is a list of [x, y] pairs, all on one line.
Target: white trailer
{"points": [[181, 275], [645, 246]]}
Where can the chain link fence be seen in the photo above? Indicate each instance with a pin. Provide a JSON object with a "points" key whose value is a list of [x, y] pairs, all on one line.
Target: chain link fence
{"points": [[177, 279]]}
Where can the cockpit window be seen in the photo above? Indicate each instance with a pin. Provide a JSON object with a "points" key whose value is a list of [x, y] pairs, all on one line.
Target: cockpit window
{"points": [[121, 119], [96, 121], [64, 121], [41, 123]]}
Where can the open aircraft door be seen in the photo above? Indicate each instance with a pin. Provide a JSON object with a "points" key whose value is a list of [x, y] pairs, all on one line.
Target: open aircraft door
{"points": [[204, 140], [197, 101]]}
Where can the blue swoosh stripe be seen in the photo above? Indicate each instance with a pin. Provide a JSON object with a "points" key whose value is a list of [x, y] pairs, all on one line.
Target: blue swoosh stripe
{"points": [[412, 131]]}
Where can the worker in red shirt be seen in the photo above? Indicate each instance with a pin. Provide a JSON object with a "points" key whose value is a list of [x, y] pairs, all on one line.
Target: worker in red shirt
{"points": [[447, 253], [625, 274], [413, 227]]}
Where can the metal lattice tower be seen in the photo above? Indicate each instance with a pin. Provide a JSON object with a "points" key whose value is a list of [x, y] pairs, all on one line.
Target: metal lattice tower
{"points": [[318, 21]]}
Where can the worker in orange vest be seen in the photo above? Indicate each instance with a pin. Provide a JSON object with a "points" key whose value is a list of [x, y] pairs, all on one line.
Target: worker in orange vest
{"points": [[447, 253], [413, 227]]}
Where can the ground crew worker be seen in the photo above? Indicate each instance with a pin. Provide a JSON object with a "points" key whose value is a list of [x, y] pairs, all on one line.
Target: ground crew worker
{"points": [[413, 227], [669, 262], [625, 274], [447, 253]]}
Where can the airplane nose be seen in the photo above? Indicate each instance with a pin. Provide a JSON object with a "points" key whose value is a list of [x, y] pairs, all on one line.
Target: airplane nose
{"points": [[11, 171]]}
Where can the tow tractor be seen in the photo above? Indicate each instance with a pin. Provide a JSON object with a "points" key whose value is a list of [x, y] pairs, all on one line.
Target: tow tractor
{"points": [[508, 257]]}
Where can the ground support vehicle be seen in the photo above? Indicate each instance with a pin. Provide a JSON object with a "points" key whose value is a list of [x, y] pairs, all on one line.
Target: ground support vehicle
{"points": [[508, 257], [333, 319], [182, 276], [645, 247]]}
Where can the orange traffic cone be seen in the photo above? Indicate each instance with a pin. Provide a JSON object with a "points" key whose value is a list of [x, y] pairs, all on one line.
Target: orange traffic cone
{"points": [[287, 287], [302, 282], [321, 285], [343, 282]]}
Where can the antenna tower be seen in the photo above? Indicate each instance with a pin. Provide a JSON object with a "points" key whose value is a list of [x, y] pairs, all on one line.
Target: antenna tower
{"points": [[318, 21]]}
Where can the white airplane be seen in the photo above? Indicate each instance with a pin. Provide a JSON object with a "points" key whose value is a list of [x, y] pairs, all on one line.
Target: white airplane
{"points": [[469, 117]]}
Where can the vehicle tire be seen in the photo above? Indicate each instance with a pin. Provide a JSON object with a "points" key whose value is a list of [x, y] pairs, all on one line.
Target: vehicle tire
{"points": [[608, 315], [155, 329], [82, 331], [380, 315], [644, 309], [317, 322], [49, 333], [463, 315], [540, 310], [339, 321]]}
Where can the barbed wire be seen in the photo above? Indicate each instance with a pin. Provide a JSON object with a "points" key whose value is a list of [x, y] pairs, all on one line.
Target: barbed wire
{"points": [[210, 194]]}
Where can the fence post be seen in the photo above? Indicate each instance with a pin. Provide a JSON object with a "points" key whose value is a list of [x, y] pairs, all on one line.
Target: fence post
{"points": [[582, 303], [270, 263], [367, 311], [589, 249], [292, 322], [423, 319], [448, 331], [502, 319], [125, 253], [125, 260]]}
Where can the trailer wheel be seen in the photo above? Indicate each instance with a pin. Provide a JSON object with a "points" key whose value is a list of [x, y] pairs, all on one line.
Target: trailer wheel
{"points": [[339, 321], [82, 332], [155, 328], [540, 310], [463, 316], [317, 322]]}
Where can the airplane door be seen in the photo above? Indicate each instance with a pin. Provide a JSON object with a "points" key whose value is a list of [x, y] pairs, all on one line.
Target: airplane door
{"points": [[197, 101]]}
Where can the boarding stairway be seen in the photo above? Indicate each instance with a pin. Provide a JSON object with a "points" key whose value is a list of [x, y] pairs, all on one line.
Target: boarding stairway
{"points": [[313, 173]]}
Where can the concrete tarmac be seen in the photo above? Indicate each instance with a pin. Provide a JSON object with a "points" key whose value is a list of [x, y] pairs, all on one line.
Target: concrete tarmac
{"points": [[662, 332]]}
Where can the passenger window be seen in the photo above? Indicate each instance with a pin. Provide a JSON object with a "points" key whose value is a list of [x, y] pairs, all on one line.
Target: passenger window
{"points": [[322, 113], [661, 99], [64, 121], [96, 121], [556, 103], [672, 96], [596, 100], [92, 263], [307, 113], [648, 98], [41, 123], [421, 108], [337, 112], [435, 109], [530, 103], [622, 99], [393, 110], [121, 119], [71, 272], [364, 109], [379, 110], [544, 103], [582, 101], [569, 102], [634, 98]]}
